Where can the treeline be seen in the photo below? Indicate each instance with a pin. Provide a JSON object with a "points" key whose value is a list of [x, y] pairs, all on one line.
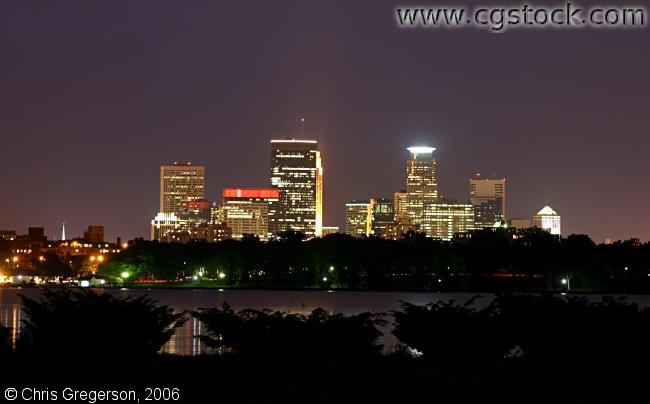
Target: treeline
{"points": [[510, 326], [489, 259]]}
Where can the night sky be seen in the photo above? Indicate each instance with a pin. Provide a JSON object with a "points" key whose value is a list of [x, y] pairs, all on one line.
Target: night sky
{"points": [[96, 95]]}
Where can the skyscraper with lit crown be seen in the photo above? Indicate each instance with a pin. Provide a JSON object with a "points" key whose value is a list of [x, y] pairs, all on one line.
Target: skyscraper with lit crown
{"points": [[421, 181], [297, 174]]}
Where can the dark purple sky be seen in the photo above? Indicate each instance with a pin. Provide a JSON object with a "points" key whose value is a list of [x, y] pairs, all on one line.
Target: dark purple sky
{"points": [[95, 95]]}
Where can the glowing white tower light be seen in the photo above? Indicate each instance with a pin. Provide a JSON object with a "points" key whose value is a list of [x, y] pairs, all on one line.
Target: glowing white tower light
{"points": [[63, 233], [421, 149]]}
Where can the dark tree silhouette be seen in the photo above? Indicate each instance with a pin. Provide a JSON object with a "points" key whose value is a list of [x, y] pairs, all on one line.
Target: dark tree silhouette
{"points": [[87, 323], [487, 259], [535, 326], [6, 347], [255, 333]]}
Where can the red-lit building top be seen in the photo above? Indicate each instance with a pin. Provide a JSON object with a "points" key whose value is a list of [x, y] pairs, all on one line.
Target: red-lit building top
{"points": [[267, 193]]}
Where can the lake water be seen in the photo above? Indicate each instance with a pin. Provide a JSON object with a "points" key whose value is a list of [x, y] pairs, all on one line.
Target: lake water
{"points": [[303, 302]]}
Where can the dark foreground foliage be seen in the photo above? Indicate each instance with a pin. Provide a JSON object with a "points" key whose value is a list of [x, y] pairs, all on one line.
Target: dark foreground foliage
{"points": [[263, 334], [77, 323], [5, 341], [227, 379], [534, 326]]}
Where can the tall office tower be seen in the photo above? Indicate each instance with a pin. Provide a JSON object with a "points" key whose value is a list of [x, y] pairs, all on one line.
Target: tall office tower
{"points": [[297, 174], [488, 195], [421, 182], [246, 211], [548, 219], [180, 184], [382, 216], [443, 219], [358, 218]]}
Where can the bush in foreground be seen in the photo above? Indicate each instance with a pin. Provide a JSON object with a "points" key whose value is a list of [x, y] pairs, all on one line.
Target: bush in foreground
{"points": [[5, 341], [547, 326], [277, 334], [83, 323], [446, 330], [534, 326]]}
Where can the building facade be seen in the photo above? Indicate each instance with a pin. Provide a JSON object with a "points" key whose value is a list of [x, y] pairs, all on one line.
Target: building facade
{"points": [[94, 234], [297, 175], [327, 230], [180, 184], [195, 213], [519, 224], [400, 207], [549, 220], [358, 218], [421, 182], [382, 217], [246, 211], [212, 232], [163, 226], [488, 196], [444, 219]]}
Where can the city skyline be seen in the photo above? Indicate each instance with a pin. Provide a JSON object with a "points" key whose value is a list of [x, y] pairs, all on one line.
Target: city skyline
{"points": [[91, 108], [173, 170]]}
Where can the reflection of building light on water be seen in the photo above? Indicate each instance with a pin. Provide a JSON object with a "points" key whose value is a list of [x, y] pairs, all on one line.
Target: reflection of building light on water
{"points": [[196, 331]]}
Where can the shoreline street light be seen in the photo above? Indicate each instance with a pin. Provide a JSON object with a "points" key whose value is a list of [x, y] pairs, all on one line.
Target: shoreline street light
{"points": [[124, 275], [567, 282]]}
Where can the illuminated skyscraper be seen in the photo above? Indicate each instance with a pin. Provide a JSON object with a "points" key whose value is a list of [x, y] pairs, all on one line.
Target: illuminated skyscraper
{"points": [[358, 218], [163, 225], [548, 219], [372, 217], [382, 216], [297, 174], [400, 207], [195, 213], [443, 219], [421, 181], [246, 211], [489, 199], [180, 184]]}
